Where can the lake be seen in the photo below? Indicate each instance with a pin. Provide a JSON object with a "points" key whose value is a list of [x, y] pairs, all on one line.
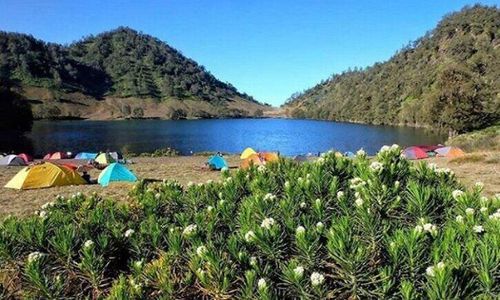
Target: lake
{"points": [[290, 137]]}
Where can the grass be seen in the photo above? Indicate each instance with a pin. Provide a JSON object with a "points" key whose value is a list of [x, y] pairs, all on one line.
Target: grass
{"points": [[487, 139], [335, 228]]}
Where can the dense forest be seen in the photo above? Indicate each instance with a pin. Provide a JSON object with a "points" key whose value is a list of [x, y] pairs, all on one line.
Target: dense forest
{"points": [[122, 63], [449, 79]]}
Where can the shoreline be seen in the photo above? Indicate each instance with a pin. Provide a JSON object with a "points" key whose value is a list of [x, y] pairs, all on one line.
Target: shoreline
{"points": [[185, 169]]}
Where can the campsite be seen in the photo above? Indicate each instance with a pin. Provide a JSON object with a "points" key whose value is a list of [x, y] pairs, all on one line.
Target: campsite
{"points": [[262, 150]]}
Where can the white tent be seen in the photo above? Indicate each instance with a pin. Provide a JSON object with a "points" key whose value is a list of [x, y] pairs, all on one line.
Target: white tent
{"points": [[11, 160]]}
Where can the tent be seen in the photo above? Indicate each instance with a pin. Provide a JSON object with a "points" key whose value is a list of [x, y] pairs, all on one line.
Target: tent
{"points": [[25, 157], [12, 160], [86, 155], [115, 172], [44, 175], [116, 155], [428, 148], [269, 156], [104, 158], [300, 158], [247, 153], [217, 162], [414, 153], [55, 155], [349, 154], [253, 159], [450, 152]]}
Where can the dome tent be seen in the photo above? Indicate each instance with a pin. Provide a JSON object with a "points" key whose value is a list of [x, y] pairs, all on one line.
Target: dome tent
{"points": [[115, 172], [12, 160], [44, 175], [217, 162]]}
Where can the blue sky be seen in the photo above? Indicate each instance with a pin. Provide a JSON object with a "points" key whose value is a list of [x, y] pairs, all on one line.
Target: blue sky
{"points": [[268, 49]]}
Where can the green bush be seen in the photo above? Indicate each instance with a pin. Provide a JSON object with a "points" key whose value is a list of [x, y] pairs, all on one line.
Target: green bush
{"points": [[339, 228]]}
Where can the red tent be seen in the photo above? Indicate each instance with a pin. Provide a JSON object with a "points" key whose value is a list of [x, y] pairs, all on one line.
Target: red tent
{"points": [[414, 153], [25, 157], [47, 156], [428, 148], [58, 155]]}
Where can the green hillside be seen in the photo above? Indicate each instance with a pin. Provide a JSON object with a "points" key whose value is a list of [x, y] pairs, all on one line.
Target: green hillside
{"points": [[119, 64], [448, 79]]}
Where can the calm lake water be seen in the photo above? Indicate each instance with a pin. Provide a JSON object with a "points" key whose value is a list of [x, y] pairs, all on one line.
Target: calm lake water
{"points": [[290, 137]]}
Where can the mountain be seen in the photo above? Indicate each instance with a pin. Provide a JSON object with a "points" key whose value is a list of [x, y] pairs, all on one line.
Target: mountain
{"points": [[449, 79], [116, 74]]}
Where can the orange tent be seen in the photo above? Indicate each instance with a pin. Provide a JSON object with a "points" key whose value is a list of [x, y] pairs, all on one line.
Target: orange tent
{"points": [[269, 156], [450, 152], [253, 159]]}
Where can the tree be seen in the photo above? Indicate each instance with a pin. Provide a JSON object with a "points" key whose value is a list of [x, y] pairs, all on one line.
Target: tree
{"points": [[15, 112]]}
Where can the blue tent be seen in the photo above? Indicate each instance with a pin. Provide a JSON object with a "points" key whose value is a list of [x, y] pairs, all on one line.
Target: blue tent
{"points": [[85, 155], [115, 172], [349, 154], [217, 162]]}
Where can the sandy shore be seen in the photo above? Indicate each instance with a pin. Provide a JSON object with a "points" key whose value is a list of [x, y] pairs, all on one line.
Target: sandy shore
{"points": [[190, 168]]}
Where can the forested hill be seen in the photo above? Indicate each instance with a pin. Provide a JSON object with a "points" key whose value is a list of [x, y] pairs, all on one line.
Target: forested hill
{"points": [[116, 74], [448, 79]]}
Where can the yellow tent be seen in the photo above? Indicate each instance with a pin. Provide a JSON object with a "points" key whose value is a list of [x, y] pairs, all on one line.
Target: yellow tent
{"points": [[247, 153], [44, 175], [104, 158]]}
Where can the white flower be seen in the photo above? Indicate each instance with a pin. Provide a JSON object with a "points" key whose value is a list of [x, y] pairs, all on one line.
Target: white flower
{"points": [[318, 202], [267, 223], [483, 210], [397, 184], [190, 184], [249, 236], [303, 205], [317, 279], [484, 200], [157, 196], [220, 195], [221, 202], [320, 161], [298, 271], [34, 256], [269, 196], [129, 233], [261, 168], [457, 194], [459, 219], [479, 185], [79, 194], [478, 228], [384, 148], [287, 184], [395, 147], [430, 271], [440, 265], [361, 152], [253, 261], [210, 181], [376, 166], [340, 194], [430, 228], [320, 226], [432, 166], [47, 205], [469, 211], [189, 230], [300, 230], [201, 251], [261, 284], [88, 244], [43, 214], [359, 202], [210, 208], [418, 229]]}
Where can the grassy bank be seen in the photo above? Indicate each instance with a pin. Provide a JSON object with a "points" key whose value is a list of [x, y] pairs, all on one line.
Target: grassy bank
{"points": [[487, 139], [338, 228]]}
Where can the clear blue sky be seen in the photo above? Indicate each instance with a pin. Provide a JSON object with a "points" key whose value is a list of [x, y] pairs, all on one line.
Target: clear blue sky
{"points": [[268, 49]]}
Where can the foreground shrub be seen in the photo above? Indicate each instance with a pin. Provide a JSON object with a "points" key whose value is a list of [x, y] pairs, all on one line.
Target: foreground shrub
{"points": [[335, 228]]}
